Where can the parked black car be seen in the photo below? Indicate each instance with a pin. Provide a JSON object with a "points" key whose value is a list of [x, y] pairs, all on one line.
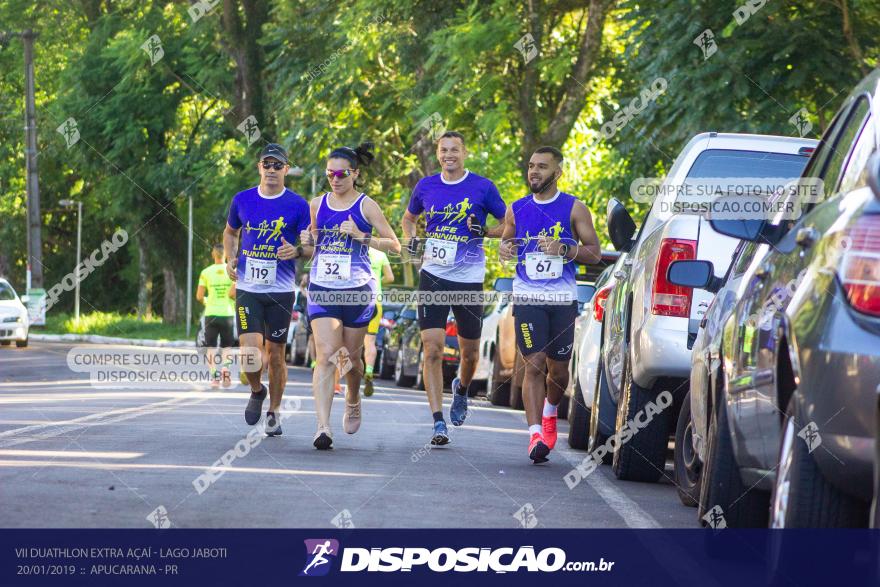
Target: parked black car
{"points": [[390, 315], [403, 350], [298, 345]]}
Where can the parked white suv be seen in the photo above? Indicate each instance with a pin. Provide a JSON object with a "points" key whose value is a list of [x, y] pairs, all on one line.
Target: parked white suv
{"points": [[650, 323], [14, 321]]}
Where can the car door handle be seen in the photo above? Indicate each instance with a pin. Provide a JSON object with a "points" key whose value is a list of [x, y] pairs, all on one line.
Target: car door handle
{"points": [[806, 236], [619, 274]]}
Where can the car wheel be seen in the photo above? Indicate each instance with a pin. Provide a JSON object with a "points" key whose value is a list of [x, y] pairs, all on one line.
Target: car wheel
{"points": [[295, 355], [497, 389], [578, 419], [516, 382], [564, 406], [21, 343], [386, 371], [399, 378], [688, 467], [600, 410], [419, 380], [722, 492], [307, 355], [802, 496], [643, 456]]}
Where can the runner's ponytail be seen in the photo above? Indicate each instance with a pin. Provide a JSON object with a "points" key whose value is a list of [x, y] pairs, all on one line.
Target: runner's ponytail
{"points": [[360, 156]]}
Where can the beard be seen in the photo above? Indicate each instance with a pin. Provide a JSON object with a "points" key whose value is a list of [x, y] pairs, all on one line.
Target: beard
{"points": [[539, 186]]}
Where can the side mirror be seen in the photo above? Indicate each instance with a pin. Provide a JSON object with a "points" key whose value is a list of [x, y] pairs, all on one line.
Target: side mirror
{"points": [[503, 284], [585, 292], [697, 274], [621, 226], [874, 174], [25, 299]]}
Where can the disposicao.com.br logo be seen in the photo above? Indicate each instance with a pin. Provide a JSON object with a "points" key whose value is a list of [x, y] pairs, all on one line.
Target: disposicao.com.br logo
{"points": [[320, 553], [444, 559]]}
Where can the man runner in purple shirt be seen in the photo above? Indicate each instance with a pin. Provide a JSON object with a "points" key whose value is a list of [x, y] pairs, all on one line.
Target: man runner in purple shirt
{"points": [[456, 203], [266, 220]]}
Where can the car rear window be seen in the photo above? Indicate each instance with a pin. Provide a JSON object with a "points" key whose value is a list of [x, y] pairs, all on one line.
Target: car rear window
{"points": [[714, 163]]}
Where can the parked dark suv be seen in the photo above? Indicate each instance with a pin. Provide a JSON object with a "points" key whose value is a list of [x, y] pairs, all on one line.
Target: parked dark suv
{"points": [[792, 415]]}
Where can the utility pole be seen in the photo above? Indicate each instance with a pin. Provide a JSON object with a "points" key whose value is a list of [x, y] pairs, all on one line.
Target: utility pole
{"points": [[189, 266], [34, 278], [35, 255], [79, 225]]}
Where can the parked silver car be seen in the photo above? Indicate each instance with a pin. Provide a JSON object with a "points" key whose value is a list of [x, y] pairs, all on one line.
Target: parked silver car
{"points": [[14, 319], [653, 323]]}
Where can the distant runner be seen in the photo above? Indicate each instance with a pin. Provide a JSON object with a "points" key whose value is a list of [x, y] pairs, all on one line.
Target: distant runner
{"points": [[213, 286], [381, 268]]}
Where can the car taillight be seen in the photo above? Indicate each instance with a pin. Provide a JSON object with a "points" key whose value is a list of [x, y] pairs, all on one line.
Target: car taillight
{"points": [[599, 303], [860, 268], [668, 299], [451, 328]]}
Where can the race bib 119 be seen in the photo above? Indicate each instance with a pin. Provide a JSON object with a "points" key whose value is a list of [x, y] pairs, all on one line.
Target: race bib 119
{"points": [[260, 271]]}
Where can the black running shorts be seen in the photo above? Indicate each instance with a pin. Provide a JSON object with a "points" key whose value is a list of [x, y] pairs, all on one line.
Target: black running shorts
{"points": [[219, 327], [266, 313], [468, 316], [546, 328]]}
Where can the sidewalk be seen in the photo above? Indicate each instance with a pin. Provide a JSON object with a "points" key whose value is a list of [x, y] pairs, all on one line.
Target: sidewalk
{"points": [[97, 339]]}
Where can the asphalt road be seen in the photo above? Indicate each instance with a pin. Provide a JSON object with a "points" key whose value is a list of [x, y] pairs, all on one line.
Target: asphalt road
{"points": [[74, 455]]}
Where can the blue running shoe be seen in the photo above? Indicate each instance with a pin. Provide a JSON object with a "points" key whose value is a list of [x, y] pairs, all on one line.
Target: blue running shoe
{"points": [[458, 412], [441, 435]]}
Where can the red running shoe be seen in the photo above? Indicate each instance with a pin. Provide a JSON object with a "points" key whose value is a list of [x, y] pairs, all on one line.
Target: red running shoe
{"points": [[548, 426], [538, 450]]}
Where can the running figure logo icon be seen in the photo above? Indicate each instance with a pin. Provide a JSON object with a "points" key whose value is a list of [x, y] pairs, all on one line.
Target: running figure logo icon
{"points": [[319, 554]]}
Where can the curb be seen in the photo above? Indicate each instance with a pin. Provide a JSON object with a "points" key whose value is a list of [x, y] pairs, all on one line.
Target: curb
{"points": [[96, 339]]}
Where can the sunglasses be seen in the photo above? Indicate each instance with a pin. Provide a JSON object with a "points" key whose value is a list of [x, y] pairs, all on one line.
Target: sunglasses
{"points": [[276, 165], [339, 173]]}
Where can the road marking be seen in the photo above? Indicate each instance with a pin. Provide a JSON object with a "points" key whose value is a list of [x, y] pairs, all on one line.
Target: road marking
{"points": [[153, 466], [53, 429], [631, 513], [74, 454], [626, 508]]}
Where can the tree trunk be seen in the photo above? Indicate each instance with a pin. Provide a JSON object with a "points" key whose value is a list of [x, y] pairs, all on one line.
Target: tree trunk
{"points": [[172, 304], [553, 128], [145, 281], [245, 50]]}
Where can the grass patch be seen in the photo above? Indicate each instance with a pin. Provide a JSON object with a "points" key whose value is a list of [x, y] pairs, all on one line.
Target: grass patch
{"points": [[114, 324]]}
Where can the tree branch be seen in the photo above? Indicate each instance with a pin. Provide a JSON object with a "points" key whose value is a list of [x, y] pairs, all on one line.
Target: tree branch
{"points": [[850, 37], [576, 85], [526, 103]]}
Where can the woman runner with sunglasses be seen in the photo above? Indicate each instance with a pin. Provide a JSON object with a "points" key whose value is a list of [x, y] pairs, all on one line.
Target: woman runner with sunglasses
{"points": [[342, 288]]}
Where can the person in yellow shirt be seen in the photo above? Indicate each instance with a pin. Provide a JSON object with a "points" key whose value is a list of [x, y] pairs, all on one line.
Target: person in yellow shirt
{"points": [[381, 268], [212, 291]]}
